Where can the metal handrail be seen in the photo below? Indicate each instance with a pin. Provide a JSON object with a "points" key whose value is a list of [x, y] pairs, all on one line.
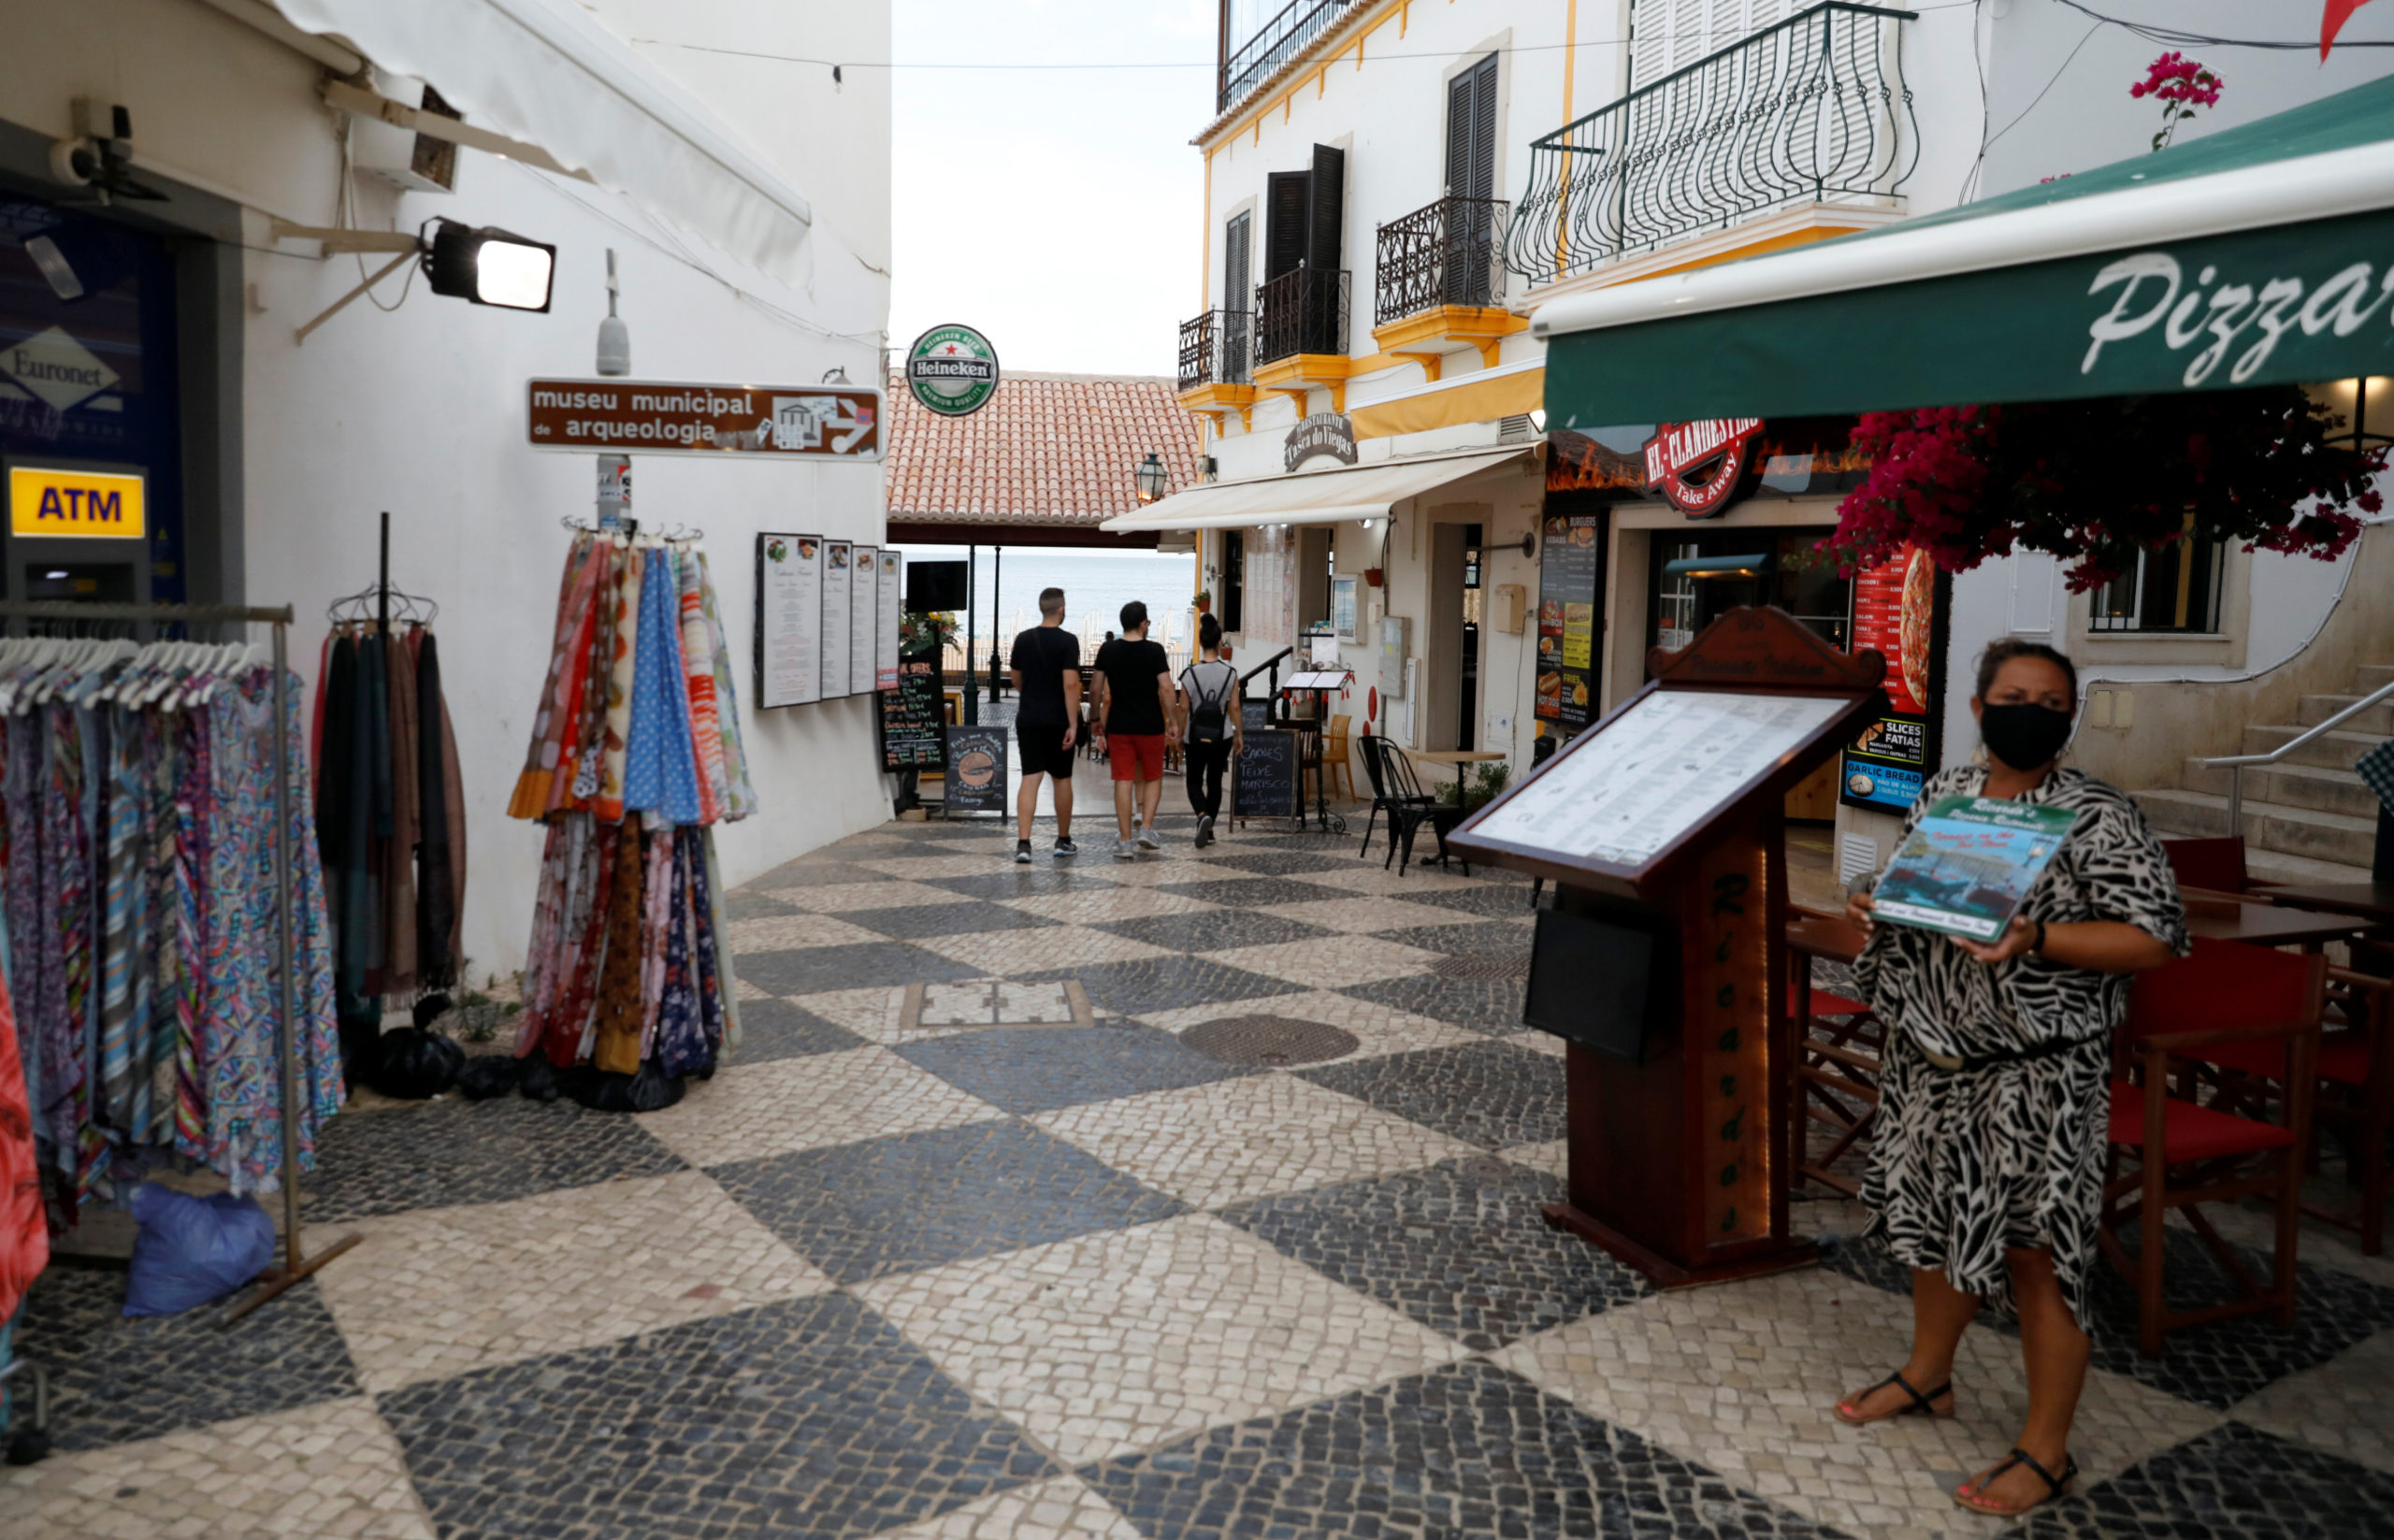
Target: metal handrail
{"points": [[1272, 44], [2236, 762], [1272, 663], [1449, 253]]}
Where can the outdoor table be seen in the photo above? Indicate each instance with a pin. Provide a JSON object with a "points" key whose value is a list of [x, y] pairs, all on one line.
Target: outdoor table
{"points": [[1456, 756], [2373, 900], [2216, 917]]}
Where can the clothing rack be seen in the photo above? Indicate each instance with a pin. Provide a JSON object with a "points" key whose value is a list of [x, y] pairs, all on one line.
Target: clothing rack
{"points": [[381, 594], [296, 1263]]}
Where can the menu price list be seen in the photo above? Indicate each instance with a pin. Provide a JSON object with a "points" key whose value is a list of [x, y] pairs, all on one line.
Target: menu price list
{"points": [[1567, 620], [1660, 770], [913, 717], [790, 620]]}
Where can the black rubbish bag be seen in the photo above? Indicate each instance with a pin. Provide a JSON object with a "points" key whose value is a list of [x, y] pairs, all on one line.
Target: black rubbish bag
{"points": [[538, 1080], [490, 1074], [416, 1064], [600, 1090]]}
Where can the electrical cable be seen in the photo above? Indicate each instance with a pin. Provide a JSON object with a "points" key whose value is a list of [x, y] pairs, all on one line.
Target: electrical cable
{"points": [[1988, 143], [1733, 33], [2182, 38]]}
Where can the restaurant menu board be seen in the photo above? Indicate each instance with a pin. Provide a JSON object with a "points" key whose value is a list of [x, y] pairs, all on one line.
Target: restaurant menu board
{"points": [[1567, 620], [913, 718], [839, 627], [1661, 768], [893, 595], [1895, 611], [864, 618], [790, 620], [1264, 777], [977, 770]]}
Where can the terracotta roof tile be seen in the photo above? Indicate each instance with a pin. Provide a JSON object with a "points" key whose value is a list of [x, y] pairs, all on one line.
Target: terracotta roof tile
{"points": [[1048, 449]]}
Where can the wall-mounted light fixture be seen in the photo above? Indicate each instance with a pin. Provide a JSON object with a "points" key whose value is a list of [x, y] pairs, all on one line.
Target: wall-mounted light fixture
{"points": [[1153, 480], [489, 266], [1754, 565]]}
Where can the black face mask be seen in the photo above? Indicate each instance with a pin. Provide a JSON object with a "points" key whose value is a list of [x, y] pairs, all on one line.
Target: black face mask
{"points": [[2026, 736]]}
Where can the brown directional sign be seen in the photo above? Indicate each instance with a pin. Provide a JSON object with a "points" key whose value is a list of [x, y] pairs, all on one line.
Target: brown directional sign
{"points": [[691, 417]]}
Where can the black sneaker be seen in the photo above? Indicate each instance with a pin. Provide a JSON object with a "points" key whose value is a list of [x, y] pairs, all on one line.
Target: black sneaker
{"points": [[1064, 845], [1206, 829], [1022, 852]]}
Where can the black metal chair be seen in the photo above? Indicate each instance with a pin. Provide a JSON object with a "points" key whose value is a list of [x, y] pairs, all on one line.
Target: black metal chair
{"points": [[1410, 807], [1382, 800]]}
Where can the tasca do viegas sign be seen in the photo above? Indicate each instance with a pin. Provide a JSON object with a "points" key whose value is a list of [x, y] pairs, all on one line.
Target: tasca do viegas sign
{"points": [[1699, 466], [1327, 433]]}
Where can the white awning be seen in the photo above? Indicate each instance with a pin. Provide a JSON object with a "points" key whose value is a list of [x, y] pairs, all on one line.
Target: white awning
{"points": [[1322, 497], [546, 72]]}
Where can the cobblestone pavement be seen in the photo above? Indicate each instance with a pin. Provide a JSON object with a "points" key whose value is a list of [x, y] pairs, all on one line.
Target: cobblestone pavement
{"points": [[973, 1239]]}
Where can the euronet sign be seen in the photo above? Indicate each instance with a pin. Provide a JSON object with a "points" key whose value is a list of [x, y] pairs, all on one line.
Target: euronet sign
{"points": [[679, 417]]}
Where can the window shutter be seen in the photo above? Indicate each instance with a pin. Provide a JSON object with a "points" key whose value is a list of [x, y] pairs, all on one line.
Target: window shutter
{"points": [[1239, 293], [1482, 182], [1284, 222], [1459, 120], [1326, 209]]}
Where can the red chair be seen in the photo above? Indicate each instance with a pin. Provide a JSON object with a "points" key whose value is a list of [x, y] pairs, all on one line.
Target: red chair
{"points": [[2215, 864], [2226, 998]]}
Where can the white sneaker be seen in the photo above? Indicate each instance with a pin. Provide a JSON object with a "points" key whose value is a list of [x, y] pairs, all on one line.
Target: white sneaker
{"points": [[1125, 850], [1147, 839]]}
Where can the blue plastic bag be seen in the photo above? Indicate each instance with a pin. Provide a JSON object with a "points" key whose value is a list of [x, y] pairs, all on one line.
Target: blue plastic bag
{"points": [[193, 1250]]}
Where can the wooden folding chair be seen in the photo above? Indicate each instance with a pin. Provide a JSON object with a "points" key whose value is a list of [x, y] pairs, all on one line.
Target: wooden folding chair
{"points": [[2226, 998], [1838, 1045]]}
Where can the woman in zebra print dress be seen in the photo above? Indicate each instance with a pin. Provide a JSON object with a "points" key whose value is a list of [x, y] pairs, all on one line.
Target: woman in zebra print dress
{"points": [[1986, 1171]]}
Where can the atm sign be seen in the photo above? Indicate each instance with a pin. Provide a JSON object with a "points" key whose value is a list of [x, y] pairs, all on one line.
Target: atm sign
{"points": [[81, 504]]}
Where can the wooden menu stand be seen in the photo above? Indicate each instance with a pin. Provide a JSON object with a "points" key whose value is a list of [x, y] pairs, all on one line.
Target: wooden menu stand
{"points": [[1664, 960]]}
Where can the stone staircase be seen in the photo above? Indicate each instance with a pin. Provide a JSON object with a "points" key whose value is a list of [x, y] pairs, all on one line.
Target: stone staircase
{"points": [[2308, 818]]}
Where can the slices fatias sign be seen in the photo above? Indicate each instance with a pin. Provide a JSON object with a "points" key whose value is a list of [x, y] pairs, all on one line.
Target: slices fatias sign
{"points": [[1700, 467]]}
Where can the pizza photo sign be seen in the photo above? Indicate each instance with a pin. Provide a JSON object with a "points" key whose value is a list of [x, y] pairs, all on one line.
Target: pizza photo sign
{"points": [[1897, 610]]}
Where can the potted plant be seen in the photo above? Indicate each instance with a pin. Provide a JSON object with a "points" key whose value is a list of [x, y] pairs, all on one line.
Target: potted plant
{"points": [[1372, 575], [1205, 601]]}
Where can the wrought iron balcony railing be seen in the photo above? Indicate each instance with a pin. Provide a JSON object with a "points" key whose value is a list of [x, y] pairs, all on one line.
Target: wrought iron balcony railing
{"points": [[1217, 349], [1272, 45], [1448, 254], [1300, 311], [1810, 110]]}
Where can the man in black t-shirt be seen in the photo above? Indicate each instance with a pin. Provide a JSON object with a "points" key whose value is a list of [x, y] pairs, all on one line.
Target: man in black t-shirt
{"points": [[1046, 670], [1136, 708]]}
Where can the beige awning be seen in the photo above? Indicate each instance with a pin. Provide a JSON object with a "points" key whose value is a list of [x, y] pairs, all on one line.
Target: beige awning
{"points": [[1318, 497]]}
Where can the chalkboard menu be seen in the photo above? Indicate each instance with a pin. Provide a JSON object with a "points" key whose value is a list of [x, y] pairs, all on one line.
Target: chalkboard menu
{"points": [[977, 770], [1570, 560], [1266, 775], [912, 717], [1255, 715]]}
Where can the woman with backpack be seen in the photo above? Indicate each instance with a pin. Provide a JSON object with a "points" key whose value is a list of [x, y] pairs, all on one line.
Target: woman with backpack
{"points": [[1209, 706]]}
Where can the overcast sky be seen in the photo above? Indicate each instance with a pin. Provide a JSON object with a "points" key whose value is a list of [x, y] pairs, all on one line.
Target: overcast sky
{"points": [[1056, 211]]}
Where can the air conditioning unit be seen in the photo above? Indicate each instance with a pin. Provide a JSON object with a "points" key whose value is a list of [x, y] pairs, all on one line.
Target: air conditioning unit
{"points": [[412, 162]]}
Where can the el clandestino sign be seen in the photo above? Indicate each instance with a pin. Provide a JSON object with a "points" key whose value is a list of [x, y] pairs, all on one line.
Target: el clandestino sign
{"points": [[1703, 467]]}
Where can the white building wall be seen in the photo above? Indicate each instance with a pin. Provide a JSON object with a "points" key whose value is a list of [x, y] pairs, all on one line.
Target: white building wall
{"points": [[420, 411]]}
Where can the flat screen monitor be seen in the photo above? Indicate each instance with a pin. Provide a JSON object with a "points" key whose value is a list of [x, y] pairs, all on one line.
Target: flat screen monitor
{"points": [[935, 585]]}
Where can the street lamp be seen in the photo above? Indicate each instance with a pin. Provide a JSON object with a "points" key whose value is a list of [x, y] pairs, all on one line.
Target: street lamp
{"points": [[1153, 480], [490, 267]]}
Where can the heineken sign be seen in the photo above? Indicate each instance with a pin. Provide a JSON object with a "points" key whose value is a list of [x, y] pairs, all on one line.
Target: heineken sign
{"points": [[952, 370]]}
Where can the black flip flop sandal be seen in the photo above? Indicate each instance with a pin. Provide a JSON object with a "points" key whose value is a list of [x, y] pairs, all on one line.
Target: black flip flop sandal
{"points": [[1920, 1406], [2054, 1486]]}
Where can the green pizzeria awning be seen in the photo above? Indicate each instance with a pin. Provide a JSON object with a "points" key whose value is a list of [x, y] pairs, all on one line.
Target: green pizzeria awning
{"points": [[2259, 255]]}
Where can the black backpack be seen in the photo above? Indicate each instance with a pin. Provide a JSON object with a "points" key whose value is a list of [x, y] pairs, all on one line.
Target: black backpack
{"points": [[1207, 723]]}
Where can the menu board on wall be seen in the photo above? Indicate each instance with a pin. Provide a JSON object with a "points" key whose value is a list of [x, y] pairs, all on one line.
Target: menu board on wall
{"points": [[1569, 559], [839, 627], [864, 619], [1898, 609], [914, 725], [893, 594], [789, 632]]}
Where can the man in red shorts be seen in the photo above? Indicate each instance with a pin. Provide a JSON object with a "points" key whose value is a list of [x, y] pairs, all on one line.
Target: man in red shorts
{"points": [[1136, 710]]}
